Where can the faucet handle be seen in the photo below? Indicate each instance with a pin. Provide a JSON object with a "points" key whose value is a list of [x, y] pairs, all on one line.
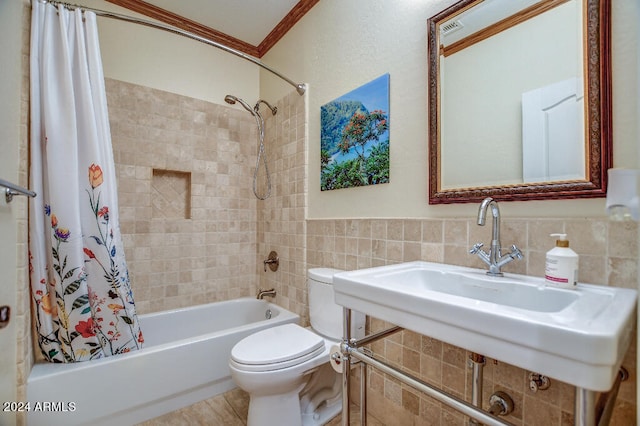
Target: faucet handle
{"points": [[273, 261], [516, 253], [476, 248]]}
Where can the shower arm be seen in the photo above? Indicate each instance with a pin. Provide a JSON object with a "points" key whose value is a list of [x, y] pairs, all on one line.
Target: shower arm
{"points": [[300, 87], [273, 109]]}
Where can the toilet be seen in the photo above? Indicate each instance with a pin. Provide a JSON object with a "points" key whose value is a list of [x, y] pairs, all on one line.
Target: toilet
{"points": [[286, 370]]}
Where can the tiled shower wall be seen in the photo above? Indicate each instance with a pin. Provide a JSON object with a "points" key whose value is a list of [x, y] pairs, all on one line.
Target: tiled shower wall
{"points": [[608, 254], [187, 213], [281, 217]]}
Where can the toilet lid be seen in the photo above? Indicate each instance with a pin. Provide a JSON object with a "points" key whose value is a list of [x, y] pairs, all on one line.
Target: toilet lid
{"points": [[277, 347]]}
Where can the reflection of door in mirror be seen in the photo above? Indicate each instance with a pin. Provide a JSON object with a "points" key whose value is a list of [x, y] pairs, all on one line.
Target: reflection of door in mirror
{"points": [[553, 132], [482, 87]]}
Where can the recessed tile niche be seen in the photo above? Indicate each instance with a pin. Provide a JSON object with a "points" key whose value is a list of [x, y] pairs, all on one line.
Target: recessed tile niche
{"points": [[171, 194]]}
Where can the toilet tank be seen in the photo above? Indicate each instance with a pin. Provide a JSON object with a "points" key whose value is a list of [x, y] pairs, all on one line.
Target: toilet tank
{"points": [[324, 313]]}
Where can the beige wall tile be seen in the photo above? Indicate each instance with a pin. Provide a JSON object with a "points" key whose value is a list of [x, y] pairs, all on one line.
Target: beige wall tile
{"points": [[456, 232], [188, 218], [602, 261]]}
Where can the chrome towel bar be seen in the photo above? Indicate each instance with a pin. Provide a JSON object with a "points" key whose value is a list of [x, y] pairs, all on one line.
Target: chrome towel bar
{"points": [[13, 189]]}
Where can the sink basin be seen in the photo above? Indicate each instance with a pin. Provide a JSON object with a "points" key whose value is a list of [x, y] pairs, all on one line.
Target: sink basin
{"points": [[577, 336]]}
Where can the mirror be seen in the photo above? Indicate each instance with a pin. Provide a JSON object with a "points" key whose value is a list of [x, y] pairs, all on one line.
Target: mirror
{"points": [[519, 100]]}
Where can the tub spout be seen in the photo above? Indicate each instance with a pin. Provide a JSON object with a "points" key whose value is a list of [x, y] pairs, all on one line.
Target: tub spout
{"points": [[262, 293]]}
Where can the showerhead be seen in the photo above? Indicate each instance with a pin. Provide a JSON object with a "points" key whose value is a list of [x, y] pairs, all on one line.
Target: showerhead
{"points": [[273, 109], [231, 100], [261, 151]]}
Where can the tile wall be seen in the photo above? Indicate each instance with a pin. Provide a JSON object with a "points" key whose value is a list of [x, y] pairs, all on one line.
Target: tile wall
{"points": [[608, 254], [281, 217], [187, 213]]}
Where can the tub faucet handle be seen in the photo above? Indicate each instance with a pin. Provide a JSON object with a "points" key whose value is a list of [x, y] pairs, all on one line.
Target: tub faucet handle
{"points": [[273, 261]]}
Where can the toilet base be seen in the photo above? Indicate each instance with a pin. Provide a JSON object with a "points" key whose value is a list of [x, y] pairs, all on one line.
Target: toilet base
{"points": [[325, 413], [278, 410], [316, 401], [321, 400], [275, 410]]}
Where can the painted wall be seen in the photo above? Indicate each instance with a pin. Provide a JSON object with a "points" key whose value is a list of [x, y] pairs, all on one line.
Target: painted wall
{"points": [[161, 60], [10, 45], [339, 46], [13, 216]]}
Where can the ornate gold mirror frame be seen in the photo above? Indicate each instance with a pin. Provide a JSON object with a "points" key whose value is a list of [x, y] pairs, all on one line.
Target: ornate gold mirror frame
{"points": [[598, 134]]}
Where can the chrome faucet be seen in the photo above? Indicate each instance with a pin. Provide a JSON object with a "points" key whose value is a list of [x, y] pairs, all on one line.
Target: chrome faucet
{"points": [[494, 258], [262, 293]]}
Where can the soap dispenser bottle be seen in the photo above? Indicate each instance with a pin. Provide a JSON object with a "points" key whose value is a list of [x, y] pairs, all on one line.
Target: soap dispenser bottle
{"points": [[561, 267]]}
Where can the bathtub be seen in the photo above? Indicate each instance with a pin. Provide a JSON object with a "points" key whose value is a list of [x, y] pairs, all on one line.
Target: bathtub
{"points": [[184, 360]]}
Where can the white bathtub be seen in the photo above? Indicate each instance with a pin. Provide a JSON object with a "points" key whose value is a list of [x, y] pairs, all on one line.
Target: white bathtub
{"points": [[184, 360]]}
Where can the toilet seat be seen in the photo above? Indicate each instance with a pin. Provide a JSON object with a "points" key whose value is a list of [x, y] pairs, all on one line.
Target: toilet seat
{"points": [[277, 348]]}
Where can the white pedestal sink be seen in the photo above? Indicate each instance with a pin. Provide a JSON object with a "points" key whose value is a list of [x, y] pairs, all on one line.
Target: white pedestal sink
{"points": [[576, 336]]}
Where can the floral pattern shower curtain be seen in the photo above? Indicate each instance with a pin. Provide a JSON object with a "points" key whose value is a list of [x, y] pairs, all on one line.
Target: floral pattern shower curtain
{"points": [[83, 304]]}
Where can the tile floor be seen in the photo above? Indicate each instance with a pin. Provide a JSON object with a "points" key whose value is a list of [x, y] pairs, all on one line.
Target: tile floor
{"points": [[229, 409]]}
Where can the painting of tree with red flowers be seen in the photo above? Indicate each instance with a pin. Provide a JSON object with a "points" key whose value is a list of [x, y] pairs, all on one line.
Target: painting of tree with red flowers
{"points": [[355, 137]]}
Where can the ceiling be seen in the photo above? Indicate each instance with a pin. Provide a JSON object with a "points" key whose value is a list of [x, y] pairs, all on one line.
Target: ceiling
{"points": [[251, 26], [248, 20]]}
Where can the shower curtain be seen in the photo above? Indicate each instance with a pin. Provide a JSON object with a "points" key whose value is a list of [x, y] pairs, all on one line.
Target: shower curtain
{"points": [[83, 306]]}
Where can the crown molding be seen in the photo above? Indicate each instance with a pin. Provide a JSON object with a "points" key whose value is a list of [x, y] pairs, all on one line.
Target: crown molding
{"points": [[170, 18]]}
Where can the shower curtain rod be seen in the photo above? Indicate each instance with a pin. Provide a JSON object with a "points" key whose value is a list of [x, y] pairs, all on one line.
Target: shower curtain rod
{"points": [[300, 87]]}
